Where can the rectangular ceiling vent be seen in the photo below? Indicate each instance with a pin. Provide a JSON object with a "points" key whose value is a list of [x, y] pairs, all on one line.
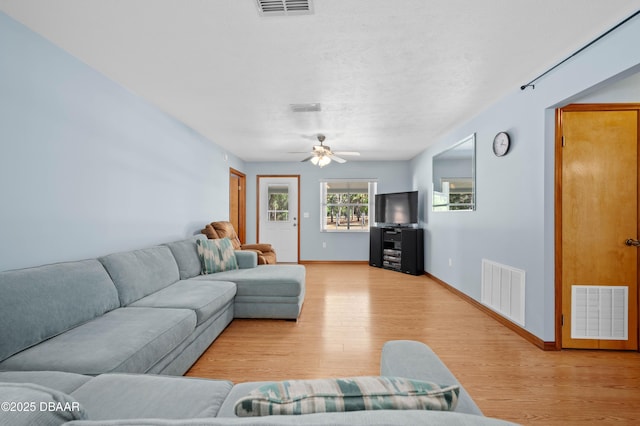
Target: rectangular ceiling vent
{"points": [[315, 107], [284, 7]]}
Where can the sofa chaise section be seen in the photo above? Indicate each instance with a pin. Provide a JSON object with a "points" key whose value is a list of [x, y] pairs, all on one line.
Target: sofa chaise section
{"points": [[266, 291], [263, 291]]}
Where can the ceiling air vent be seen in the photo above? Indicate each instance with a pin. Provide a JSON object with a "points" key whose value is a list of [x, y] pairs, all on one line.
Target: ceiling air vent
{"points": [[284, 7], [305, 107]]}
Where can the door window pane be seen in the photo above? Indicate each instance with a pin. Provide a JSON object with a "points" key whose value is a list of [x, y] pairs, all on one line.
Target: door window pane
{"points": [[278, 196]]}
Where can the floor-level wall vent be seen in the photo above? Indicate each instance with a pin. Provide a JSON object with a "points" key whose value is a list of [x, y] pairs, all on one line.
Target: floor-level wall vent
{"points": [[503, 290], [599, 312]]}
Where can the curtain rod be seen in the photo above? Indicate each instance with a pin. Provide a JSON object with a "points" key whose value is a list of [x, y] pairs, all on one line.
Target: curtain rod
{"points": [[530, 84]]}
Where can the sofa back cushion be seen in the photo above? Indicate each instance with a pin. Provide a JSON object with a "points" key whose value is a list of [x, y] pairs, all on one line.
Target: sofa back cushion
{"points": [[186, 254], [42, 302], [139, 273]]}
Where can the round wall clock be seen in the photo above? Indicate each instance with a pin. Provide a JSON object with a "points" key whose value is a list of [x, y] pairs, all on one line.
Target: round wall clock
{"points": [[501, 144]]}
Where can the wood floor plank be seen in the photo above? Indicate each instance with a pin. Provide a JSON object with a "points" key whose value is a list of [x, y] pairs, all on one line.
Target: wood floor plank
{"points": [[350, 311]]}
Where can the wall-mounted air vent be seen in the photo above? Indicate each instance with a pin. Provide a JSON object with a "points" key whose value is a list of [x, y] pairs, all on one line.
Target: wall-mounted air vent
{"points": [[284, 7], [305, 107], [599, 312], [503, 290]]}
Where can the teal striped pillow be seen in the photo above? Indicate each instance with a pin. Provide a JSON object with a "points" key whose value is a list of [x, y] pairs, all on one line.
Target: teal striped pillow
{"points": [[348, 394], [216, 255]]}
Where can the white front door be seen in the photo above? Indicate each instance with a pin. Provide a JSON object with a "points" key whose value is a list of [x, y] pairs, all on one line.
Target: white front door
{"points": [[278, 216]]}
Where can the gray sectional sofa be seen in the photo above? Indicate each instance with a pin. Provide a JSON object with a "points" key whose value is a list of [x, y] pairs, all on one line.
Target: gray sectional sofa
{"points": [[134, 399], [141, 311], [76, 336]]}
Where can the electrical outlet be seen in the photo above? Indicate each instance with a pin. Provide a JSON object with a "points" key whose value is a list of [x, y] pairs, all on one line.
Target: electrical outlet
{"points": [[324, 244]]}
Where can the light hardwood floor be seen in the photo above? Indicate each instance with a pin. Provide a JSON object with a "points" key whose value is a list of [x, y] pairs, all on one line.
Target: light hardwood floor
{"points": [[351, 310]]}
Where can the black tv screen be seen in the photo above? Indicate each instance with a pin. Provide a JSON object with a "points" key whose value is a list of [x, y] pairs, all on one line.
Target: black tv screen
{"points": [[398, 208]]}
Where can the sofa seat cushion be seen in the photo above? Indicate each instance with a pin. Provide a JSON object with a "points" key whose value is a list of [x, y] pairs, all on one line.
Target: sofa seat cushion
{"points": [[206, 298], [132, 396], [128, 340], [264, 280]]}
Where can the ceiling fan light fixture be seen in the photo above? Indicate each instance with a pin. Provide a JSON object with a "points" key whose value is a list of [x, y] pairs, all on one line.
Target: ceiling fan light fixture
{"points": [[323, 161], [315, 160]]}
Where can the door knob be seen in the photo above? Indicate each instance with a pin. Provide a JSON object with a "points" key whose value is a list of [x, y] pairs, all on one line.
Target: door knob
{"points": [[633, 243]]}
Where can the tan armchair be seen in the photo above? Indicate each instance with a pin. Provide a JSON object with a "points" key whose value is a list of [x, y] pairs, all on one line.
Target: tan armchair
{"points": [[266, 253]]}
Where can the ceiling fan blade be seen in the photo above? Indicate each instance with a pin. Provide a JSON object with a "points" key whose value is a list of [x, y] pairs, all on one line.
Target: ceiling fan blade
{"points": [[347, 152], [298, 152], [307, 159], [337, 159]]}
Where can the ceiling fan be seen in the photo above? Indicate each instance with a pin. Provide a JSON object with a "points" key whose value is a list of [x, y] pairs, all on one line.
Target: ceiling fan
{"points": [[321, 155]]}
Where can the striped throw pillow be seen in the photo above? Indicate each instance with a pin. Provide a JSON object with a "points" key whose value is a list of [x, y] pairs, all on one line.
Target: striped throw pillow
{"points": [[347, 394]]}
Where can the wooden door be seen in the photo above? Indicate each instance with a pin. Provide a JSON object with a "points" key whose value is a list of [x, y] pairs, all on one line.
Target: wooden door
{"points": [[599, 212], [237, 202]]}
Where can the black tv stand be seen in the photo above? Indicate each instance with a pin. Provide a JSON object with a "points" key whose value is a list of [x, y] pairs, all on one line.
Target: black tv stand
{"points": [[397, 248]]}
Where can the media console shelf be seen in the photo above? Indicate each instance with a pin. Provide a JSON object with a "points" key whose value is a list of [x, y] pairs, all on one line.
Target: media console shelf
{"points": [[398, 249]]}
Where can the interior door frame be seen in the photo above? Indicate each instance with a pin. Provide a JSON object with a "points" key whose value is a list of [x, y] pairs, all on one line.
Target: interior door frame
{"points": [[242, 203], [258, 177], [558, 204]]}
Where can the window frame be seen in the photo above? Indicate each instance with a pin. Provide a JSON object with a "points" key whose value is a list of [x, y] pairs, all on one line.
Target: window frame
{"points": [[372, 185]]}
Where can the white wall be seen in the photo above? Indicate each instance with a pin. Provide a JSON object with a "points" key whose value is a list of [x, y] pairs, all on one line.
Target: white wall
{"points": [[88, 168], [514, 220], [392, 176]]}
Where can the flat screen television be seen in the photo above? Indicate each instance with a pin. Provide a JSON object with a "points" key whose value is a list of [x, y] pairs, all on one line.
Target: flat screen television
{"points": [[398, 208]]}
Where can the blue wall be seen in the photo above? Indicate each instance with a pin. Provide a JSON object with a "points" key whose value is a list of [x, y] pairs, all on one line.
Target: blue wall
{"points": [[87, 167], [514, 220], [392, 176]]}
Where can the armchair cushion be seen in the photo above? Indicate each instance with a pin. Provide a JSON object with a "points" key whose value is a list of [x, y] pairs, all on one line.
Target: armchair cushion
{"points": [[224, 229], [264, 248], [210, 232]]}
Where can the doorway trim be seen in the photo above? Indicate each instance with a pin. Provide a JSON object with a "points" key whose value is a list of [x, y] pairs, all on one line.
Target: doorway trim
{"points": [[558, 202], [258, 177], [242, 203]]}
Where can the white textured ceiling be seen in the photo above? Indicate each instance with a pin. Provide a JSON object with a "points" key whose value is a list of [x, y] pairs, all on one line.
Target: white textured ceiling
{"points": [[391, 75]]}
